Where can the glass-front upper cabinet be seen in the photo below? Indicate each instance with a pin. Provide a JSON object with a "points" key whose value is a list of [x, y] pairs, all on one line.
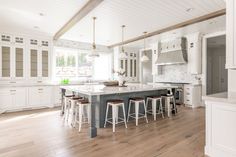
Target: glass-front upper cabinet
{"points": [[5, 61], [19, 62], [33, 63], [44, 63]]}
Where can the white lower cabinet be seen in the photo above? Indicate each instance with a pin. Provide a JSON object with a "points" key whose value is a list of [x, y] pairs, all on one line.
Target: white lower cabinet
{"points": [[12, 99], [20, 98], [192, 95], [40, 96]]}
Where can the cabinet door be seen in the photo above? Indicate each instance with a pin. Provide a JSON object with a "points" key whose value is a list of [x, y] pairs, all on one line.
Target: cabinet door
{"points": [[45, 60], [45, 96], [19, 98], [19, 62], [5, 100], [34, 97], [33, 63], [6, 61]]}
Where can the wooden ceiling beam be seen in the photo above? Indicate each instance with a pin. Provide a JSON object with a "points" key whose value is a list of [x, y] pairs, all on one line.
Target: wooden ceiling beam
{"points": [[88, 7], [173, 27]]}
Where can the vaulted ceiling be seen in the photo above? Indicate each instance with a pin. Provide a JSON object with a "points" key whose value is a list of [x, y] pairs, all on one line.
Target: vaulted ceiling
{"points": [[138, 16], [48, 16]]}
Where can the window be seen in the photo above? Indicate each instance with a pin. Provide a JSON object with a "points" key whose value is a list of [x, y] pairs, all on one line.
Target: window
{"points": [[74, 65]]}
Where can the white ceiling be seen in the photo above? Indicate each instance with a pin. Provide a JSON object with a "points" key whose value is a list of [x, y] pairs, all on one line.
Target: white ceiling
{"points": [[138, 16], [23, 15]]}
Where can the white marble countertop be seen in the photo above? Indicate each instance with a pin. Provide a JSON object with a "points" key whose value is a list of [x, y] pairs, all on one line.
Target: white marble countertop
{"points": [[103, 90], [15, 85], [221, 97]]}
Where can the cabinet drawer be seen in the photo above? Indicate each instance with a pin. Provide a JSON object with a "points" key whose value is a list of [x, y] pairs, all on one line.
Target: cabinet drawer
{"points": [[188, 101]]}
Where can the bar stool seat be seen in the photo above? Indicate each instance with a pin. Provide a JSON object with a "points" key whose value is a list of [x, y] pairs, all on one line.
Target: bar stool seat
{"points": [[137, 115], [137, 99], [153, 111], [115, 104]]}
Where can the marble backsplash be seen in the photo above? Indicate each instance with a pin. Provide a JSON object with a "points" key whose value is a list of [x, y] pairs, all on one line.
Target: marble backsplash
{"points": [[176, 73]]}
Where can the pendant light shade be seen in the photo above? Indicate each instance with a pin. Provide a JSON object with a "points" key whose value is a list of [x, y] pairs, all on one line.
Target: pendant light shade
{"points": [[144, 58], [122, 54], [94, 53]]}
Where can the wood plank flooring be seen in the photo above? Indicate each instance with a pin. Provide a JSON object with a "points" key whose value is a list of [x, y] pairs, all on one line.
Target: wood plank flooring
{"points": [[43, 133]]}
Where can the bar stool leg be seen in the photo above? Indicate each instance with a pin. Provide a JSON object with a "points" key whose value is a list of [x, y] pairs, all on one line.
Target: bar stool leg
{"points": [[117, 116], [106, 115], [129, 110], [68, 110], [113, 117], [80, 116], [136, 112], [145, 111], [73, 113], [174, 105], [154, 111], [123, 106], [168, 106], [161, 108]]}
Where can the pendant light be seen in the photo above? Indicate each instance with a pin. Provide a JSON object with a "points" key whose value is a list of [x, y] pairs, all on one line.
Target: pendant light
{"points": [[94, 53], [144, 58], [122, 54]]}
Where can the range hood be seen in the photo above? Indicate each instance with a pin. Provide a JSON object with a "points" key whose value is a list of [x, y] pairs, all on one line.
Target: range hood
{"points": [[172, 52]]}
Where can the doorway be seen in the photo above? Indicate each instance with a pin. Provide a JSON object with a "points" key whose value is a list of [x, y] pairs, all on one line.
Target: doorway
{"points": [[217, 74]]}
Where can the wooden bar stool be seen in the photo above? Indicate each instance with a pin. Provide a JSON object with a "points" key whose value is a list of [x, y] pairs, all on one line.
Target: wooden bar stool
{"points": [[137, 101], [81, 105], [168, 99], [115, 104], [153, 111]]}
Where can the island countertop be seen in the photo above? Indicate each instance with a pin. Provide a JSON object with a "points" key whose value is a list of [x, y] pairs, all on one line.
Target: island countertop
{"points": [[104, 90], [224, 97]]}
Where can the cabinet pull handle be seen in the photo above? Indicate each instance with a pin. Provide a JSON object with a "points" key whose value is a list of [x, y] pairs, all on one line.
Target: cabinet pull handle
{"points": [[12, 90], [40, 89], [12, 82]]}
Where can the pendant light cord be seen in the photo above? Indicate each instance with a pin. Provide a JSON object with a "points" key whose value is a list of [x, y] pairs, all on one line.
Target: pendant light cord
{"points": [[144, 43], [94, 45], [122, 48]]}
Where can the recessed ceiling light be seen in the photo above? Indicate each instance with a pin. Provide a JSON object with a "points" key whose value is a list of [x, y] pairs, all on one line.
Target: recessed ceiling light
{"points": [[36, 27], [41, 14], [189, 9]]}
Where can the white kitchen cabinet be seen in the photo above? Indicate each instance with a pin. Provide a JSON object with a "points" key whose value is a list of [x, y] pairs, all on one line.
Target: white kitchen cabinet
{"points": [[24, 58], [40, 96], [192, 95], [231, 34], [12, 57], [5, 100], [13, 99], [39, 56], [130, 65], [194, 53]]}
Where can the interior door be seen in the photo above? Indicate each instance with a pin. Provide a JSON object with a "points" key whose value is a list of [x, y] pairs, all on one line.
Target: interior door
{"points": [[223, 80]]}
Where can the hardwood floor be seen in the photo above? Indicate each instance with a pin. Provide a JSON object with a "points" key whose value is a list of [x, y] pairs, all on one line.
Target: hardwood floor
{"points": [[42, 133]]}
